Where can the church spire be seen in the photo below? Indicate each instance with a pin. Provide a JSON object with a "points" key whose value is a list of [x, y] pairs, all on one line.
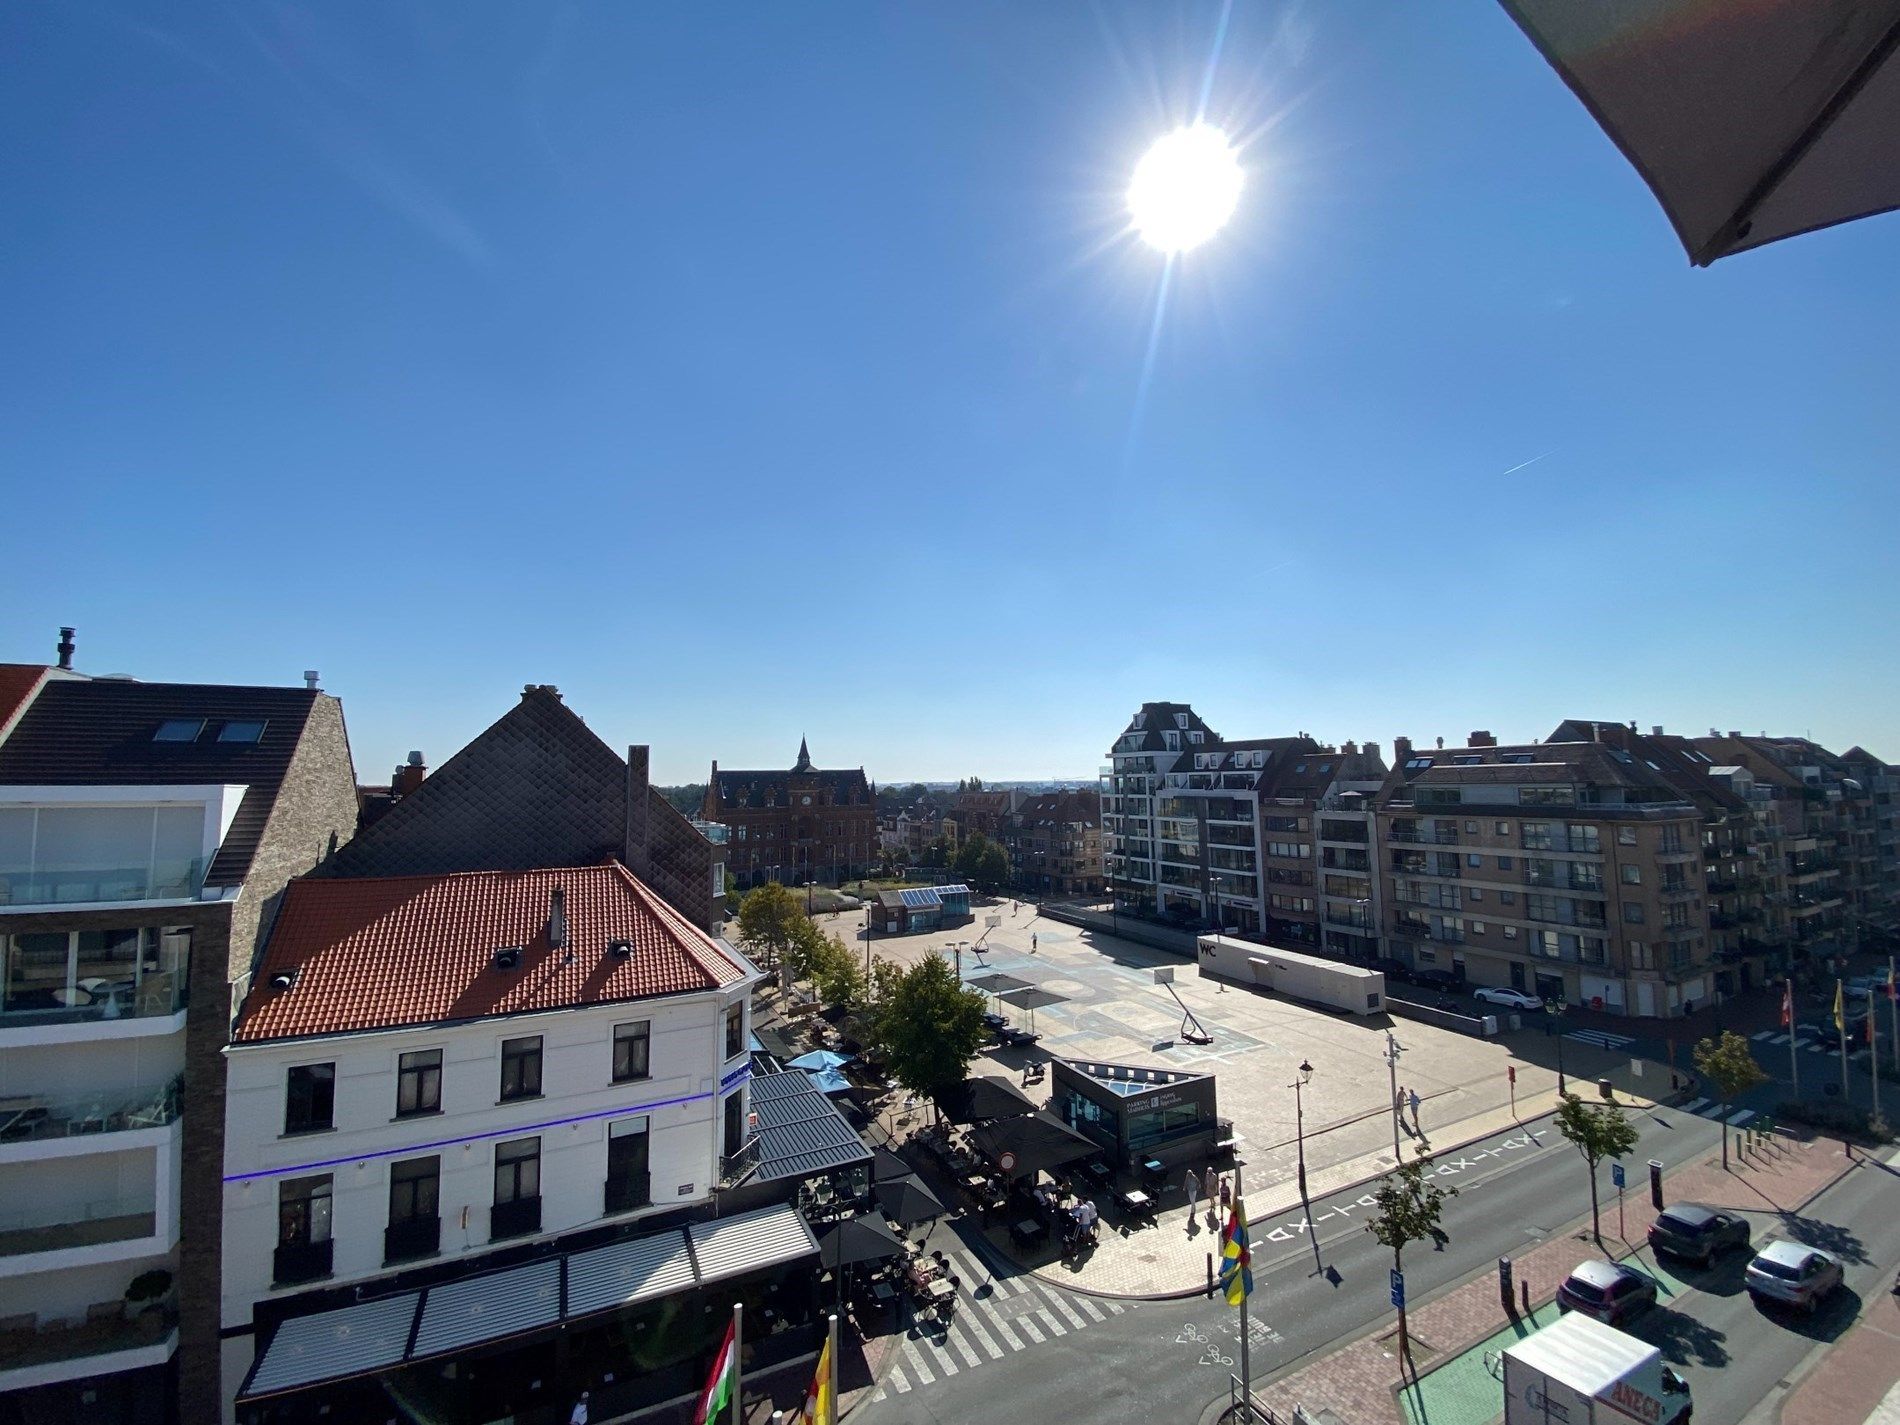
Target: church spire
{"points": [[804, 757]]}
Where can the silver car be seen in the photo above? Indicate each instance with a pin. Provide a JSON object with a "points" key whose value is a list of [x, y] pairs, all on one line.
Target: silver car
{"points": [[1791, 1274]]}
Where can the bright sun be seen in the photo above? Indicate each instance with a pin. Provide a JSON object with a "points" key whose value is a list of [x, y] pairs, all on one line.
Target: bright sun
{"points": [[1185, 188]]}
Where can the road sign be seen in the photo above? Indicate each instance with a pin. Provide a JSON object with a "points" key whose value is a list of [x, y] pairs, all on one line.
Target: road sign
{"points": [[1398, 1288], [1006, 1160], [1616, 1174]]}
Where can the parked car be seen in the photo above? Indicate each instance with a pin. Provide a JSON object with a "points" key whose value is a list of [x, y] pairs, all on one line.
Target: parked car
{"points": [[1791, 1274], [1697, 1233], [1513, 999], [1606, 1291]]}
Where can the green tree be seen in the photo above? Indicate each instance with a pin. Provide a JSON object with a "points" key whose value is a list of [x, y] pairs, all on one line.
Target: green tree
{"points": [[992, 873], [1407, 1207], [928, 1026], [1729, 1064], [1599, 1131], [767, 917], [804, 950], [836, 973]]}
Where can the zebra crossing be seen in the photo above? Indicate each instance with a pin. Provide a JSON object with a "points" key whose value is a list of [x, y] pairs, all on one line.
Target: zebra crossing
{"points": [[1601, 1038], [995, 1316], [1706, 1108], [1814, 1039]]}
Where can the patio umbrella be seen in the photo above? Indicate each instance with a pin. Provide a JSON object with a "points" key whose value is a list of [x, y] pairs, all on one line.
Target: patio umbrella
{"points": [[1040, 1140], [885, 1165], [828, 1081], [819, 1059], [1750, 122], [906, 1201], [985, 1096], [858, 1239]]}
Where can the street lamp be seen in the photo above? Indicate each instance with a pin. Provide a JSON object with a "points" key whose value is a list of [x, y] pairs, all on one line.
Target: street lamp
{"points": [[1392, 1052], [1299, 1119], [808, 888], [1555, 1009]]}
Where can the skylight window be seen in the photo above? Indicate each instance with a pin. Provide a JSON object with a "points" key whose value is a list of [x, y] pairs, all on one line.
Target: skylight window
{"points": [[245, 729], [179, 729]]}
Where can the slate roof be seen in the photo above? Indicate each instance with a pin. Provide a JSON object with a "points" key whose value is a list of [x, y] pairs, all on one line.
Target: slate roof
{"points": [[383, 952], [538, 788], [98, 732]]}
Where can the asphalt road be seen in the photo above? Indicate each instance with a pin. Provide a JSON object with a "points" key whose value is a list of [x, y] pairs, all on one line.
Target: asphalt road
{"points": [[1170, 1360]]}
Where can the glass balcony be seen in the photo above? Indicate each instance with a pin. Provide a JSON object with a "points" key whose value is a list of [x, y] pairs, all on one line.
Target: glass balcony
{"points": [[62, 977], [32, 1118], [85, 1222]]}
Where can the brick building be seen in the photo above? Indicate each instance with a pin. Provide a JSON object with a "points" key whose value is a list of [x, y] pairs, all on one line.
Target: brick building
{"points": [[806, 824], [1054, 841]]}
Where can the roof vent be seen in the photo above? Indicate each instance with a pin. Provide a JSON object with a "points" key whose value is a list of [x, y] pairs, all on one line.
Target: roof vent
{"points": [[310, 676], [508, 958], [283, 980], [620, 949], [557, 918], [66, 648]]}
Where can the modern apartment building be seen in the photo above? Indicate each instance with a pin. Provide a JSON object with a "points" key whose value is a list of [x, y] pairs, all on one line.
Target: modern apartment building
{"points": [[1222, 833], [146, 830], [808, 824], [1572, 869], [1054, 841], [474, 1123]]}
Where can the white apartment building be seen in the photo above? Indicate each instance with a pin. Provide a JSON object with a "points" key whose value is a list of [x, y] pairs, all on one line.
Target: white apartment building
{"points": [[451, 1101]]}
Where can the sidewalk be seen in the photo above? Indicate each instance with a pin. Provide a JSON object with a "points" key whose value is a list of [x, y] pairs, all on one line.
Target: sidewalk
{"points": [[1361, 1382], [1170, 1260], [1861, 1378]]}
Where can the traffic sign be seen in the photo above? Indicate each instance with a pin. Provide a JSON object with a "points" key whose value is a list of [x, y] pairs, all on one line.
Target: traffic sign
{"points": [[1616, 1174], [1398, 1288], [1006, 1160]]}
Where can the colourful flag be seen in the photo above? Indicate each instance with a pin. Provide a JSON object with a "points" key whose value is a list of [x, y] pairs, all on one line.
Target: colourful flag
{"points": [[1787, 1004], [725, 1373], [1840, 1009], [1236, 1260], [820, 1408]]}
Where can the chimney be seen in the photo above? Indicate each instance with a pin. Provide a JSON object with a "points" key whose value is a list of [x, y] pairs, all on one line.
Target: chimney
{"points": [[637, 853], [1401, 750], [1656, 730], [1349, 749], [1481, 739], [310, 676], [1441, 744], [66, 647], [557, 918], [1735, 734], [409, 776], [1372, 751]]}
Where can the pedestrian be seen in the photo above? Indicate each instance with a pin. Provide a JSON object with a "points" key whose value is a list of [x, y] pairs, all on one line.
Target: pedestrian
{"points": [[1032, 945], [1226, 1192], [1413, 1100], [578, 1415], [1193, 1186]]}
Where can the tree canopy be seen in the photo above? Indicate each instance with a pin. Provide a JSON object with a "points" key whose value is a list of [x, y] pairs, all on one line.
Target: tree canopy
{"points": [[1599, 1131], [928, 1026], [1729, 1065], [768, 919], [983, 863], [1406, 1209]]}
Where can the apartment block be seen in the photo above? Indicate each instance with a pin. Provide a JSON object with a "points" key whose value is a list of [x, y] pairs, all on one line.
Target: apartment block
{"points": [[1054, 841], [146, 831]]}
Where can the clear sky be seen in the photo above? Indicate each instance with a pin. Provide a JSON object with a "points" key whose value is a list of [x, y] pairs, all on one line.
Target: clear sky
{"points": [[756, 371]]}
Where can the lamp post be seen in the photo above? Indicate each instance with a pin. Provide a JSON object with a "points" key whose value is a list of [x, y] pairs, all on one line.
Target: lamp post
{"points": [[1392, 1052], [1299, 1119], [808, 889], [1555, 1009]]}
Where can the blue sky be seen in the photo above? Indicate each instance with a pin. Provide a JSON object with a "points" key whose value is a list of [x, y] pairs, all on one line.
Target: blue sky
{"points": [[759, 371]]}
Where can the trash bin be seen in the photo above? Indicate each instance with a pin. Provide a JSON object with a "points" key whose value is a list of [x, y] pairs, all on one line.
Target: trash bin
{"points": [[1606, 1088]]}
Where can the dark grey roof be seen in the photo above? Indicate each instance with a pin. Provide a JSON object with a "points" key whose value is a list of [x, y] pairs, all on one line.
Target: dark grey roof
{"points": [[99, 733], [801, 1132]]}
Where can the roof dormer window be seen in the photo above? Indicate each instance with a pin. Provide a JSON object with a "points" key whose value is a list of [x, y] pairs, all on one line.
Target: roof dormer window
{"points": [[242, 730], [179, 729]]}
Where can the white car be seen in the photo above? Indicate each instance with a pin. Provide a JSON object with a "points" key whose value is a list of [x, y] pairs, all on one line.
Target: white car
{"points": [[1514, 999]]}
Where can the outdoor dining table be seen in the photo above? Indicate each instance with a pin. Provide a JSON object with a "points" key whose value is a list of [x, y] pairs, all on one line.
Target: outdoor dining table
{"points": [[1100, 1171], [1136, 1202], [940, 1289], [1028, 1232]]}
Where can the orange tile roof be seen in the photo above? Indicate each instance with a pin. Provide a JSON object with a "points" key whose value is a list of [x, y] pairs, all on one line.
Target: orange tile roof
{"points": [[18, 683], [386, 952]]}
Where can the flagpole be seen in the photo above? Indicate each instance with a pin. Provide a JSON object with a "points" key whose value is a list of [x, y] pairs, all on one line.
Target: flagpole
{"points": [[1840, 1025], [1246, 1364], [738, 1370], [1893, 1013], [1873, 1057], [832, 1357], [1794, 1038]]}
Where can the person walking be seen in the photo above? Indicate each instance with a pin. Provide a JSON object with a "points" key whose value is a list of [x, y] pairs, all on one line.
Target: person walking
{"points": [[1412, 1099], [1032, 945], [1226, 1193], [578, 1415], [1192, 1184]]}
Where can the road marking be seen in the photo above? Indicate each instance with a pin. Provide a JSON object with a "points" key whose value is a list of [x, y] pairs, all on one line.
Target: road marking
{"points": [[1694, 1105], [1031, 1330], [1780, 1041], [1049, 1320], [1762, 1034], [899, 1380], [924, 1376], [1739, 1119], [1064, 1307], [1601, 1038], [1089, 1309], [972, 1321]]}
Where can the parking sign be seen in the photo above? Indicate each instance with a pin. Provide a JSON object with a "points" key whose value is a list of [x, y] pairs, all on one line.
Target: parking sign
{"points": [[1616, 1174]]}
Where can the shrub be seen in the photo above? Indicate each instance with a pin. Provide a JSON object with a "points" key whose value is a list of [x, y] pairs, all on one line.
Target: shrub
{"points": [[1832, 1117]]}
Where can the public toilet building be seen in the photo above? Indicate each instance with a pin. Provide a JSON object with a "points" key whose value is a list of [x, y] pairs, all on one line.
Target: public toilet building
{"points": [[1137, 1114]]}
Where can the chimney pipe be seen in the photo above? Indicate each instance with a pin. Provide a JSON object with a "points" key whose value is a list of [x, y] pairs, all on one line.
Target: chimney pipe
{"points": [[557, 918], [409, 776], [310, 676], [66, 647]]}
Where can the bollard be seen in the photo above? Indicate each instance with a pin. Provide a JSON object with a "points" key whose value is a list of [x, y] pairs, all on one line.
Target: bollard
{"points": [[1210, 1274], [1504, 1283], [1655, 1184]]}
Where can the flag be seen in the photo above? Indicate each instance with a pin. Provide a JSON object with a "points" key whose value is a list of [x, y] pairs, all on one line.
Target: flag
{"points": [[1236, 1260], [1840, 1009], [725, 1373], [820, 1408], [1787, 1004], [1893, 990]]}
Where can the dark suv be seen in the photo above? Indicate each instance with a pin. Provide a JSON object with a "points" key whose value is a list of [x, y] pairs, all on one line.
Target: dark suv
{"points": [[1697, 1233]]}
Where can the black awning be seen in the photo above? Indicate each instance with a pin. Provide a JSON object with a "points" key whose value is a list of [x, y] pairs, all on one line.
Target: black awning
{"points": [[1036, 1142], [984, 1097]]}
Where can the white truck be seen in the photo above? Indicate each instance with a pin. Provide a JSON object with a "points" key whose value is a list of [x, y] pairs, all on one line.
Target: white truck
{"points": [[1577, 1371]]}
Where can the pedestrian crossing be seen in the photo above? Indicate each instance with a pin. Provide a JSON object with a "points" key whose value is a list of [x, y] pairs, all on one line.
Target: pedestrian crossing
{"points": [[1705, 1108], [995, 1316], [1813, 1040], [1601, 1038]]}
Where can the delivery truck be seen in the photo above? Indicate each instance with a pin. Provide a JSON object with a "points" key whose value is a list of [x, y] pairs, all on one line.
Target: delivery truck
{"points": [[1577, 1371]]}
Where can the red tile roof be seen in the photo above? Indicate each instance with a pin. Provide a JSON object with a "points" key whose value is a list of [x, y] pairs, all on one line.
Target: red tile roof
{"points": [[386, 952], [18, 683]]}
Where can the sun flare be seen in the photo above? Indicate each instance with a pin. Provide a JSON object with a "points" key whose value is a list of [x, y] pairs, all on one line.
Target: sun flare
{"points": [[1185, 188]]}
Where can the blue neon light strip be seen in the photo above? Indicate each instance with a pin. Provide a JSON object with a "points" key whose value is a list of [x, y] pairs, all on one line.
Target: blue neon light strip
{"points": [[517, 1131]]}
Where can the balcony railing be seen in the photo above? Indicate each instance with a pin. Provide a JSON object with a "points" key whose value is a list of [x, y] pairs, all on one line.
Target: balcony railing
{"points": [[33, 1117], [102, 1333], [154, 994], [514, 1219], [415, 1237], [626, 1193], [77, 1222], [1425, 836], [735, 1167], [44, 888], [295, 1262]]}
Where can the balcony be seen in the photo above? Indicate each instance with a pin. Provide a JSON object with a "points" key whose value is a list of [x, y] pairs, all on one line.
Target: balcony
{"points": [[1425, 836], [1411, 930], [627, 1193], [734, 1168], [514, 1219], [33, 1118], [411, 1239], [294, 1263], [104, 1341]]}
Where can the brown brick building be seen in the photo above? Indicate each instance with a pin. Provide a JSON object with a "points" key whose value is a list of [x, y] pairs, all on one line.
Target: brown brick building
{"points": [[1054, 841], [806, 824]]}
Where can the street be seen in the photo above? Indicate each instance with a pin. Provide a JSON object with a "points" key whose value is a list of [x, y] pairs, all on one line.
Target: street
{"points": [[1515, 1189]]}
